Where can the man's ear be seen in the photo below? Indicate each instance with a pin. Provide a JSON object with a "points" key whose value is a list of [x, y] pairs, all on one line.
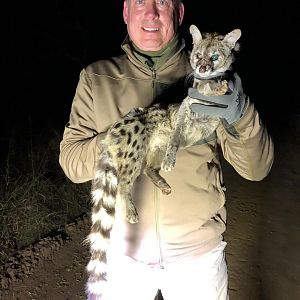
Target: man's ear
{"points": [[125, 11], [181, 13]]}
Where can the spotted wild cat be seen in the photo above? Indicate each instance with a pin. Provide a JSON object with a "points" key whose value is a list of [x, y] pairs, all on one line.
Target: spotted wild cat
{"points": [[146, 140]]}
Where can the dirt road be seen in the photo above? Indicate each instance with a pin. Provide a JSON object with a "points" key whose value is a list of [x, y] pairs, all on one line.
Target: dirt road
{"points": [[262, 235]]}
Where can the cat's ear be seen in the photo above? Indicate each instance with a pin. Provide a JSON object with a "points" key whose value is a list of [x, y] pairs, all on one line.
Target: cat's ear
{"points": [[231, 38], [195, 32]]}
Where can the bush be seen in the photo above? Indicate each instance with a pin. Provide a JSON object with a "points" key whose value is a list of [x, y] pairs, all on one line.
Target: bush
{"points": [[36, 197]]}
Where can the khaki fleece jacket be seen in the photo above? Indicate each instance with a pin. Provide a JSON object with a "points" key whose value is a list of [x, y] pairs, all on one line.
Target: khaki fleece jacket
{"points": [[190, 221]]}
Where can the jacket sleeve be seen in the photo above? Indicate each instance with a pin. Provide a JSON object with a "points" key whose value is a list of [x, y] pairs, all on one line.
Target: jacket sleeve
{"points": [[78, 148], [247, 146]]}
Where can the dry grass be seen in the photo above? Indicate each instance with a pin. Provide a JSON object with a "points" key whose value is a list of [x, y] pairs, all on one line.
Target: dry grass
{"points": [[36, 197]]}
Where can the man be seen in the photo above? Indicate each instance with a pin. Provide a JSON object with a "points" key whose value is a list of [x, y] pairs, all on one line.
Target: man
{"points": [[177, 245]]}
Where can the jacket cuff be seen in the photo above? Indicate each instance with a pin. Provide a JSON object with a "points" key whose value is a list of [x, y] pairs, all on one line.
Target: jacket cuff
{"points": [[246, 120]]}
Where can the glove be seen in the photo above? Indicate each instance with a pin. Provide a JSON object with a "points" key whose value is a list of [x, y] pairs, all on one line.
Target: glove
{"points": [[229, 107]]}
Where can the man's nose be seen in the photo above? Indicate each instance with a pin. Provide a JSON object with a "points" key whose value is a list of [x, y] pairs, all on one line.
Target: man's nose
{"points": [[151, 9]]}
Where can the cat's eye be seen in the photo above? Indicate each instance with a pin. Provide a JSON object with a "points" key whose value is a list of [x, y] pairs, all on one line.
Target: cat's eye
{"points": [[214, 57]]}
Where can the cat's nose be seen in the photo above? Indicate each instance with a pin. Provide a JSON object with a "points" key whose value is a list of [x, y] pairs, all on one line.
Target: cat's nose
{"points": [[202, 69]]}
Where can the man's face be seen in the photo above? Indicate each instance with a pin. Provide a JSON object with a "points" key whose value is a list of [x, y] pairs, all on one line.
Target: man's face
{"points": [[151, 24]]}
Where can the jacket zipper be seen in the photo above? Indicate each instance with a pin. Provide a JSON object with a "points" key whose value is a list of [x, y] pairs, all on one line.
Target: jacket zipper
{"points": [[155, 190], [153, 82], [156, 194], [157, 231]]}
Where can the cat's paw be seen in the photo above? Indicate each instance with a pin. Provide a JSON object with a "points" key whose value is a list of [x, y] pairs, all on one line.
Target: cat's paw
{"points": [[168, 163], [163, 186], [169, 160], [166, 190], [132, 215], [135, 111], [222, 88], [132, 218]]}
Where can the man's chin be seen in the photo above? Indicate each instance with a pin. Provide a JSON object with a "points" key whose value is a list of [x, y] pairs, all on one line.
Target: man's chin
{"points": [[151, 45]]}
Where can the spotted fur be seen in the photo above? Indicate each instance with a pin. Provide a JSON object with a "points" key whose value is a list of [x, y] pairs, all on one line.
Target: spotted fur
{"points": [[140, 142]]}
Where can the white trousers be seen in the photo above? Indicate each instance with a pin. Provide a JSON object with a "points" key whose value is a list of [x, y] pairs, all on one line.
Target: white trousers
{"points": [[204, 278]]}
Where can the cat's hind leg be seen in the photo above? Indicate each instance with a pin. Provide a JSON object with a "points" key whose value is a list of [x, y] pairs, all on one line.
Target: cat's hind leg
{"points": [[158, 180], [131, 213], [125, 196], [154, 158]]}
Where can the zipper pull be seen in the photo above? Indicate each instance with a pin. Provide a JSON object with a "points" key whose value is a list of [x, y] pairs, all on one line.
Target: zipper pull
{"points": [[150, 64]]}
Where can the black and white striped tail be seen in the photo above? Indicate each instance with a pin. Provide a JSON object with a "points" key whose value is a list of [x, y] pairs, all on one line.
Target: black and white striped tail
{"points": [[104, 194]]}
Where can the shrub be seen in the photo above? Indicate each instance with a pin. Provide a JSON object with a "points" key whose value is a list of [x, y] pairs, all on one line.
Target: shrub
{"points": [[36, 197]]}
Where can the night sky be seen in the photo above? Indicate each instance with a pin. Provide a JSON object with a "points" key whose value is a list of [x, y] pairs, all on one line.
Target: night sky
{"points": [[47, 43]]}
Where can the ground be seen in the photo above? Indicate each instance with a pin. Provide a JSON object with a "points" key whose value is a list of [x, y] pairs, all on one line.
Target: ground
{"points": [[262, 236]]}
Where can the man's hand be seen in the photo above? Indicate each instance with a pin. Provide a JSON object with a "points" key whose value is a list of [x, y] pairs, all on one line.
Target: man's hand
{"points": [[229, 107]]}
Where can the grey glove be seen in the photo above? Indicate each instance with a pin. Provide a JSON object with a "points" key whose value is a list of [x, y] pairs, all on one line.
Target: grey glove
{"points": [[229, 107]]}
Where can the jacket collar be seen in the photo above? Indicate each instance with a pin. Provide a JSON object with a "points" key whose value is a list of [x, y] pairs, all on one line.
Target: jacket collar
{"points": [[142, 63]]}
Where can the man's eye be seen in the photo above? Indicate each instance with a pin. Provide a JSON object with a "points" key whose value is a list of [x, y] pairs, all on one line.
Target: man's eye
{"points": [[162, 2], [140, 2]]}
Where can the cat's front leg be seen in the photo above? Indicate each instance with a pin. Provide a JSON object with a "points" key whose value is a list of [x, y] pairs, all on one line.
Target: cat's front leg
{"points": [[169, 160]]}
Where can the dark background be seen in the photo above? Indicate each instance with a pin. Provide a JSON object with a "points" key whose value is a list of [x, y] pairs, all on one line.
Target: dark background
{"points": [[47, 43]]}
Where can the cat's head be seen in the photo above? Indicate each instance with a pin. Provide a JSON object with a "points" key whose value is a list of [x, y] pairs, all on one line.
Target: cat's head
{"points": [[213, 53]]}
